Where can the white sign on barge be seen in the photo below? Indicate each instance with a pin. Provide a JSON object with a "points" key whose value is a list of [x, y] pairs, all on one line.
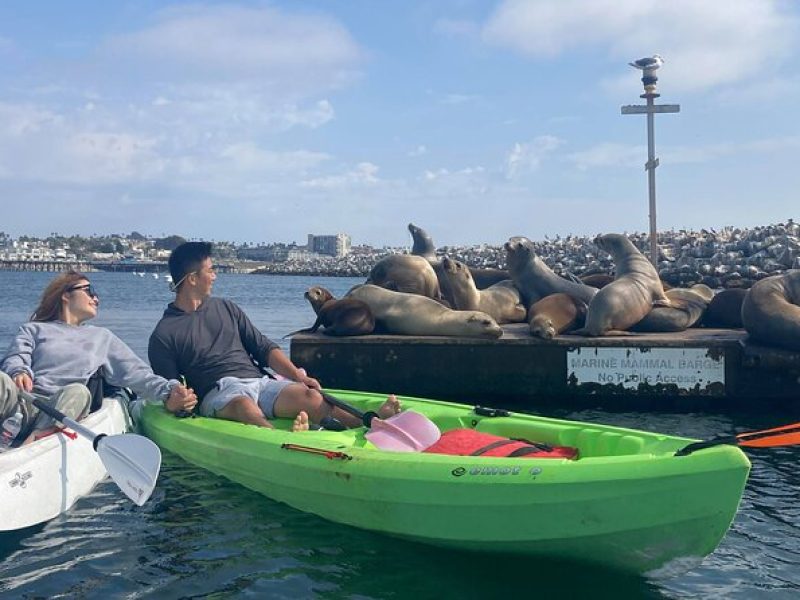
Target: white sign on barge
{"points": [[689, 369]]}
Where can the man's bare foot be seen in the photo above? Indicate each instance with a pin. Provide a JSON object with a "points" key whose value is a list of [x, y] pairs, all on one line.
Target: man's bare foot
{"points": [[300, 422], [389, 408]]}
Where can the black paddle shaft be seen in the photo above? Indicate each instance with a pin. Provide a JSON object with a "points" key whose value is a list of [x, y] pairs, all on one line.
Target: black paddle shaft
{"points": [[366, 418], [728, 439]]}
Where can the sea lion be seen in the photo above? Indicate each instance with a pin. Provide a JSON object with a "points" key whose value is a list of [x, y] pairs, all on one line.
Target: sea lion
{"points": [[406, 273], [770, 311], [556, 314], [598, 280], [633, 293], [688, 307], [725, 310], [502, 301], [423, 243], [485, 277], [346, 316], [535, 279], [412, 314], [423, 246]]}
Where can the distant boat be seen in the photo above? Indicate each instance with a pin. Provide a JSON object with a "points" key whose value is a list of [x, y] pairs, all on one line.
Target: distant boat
{"points": [[168, 278], [139, 274], [155, 275]]}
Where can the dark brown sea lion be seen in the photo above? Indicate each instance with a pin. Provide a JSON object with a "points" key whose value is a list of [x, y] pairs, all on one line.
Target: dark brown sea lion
{"points": [[688, 307], [556, 314], [633, 293], [346, 316], [770, 311], [725, 310]]}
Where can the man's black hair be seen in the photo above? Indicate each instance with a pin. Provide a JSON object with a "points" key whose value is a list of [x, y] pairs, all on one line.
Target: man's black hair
{"points": [[186, 259]]}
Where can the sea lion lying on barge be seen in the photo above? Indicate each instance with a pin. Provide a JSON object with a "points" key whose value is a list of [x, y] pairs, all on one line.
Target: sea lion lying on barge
{"points": [[412, 314], [502, 301], [688, 307], [725, 310], [556, 314], [346, 316], [770, 311]]}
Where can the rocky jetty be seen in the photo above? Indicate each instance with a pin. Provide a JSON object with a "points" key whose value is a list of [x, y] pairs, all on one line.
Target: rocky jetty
{"points": [[730, 257]]}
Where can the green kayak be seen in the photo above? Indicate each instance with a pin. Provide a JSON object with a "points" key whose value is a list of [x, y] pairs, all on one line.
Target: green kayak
{"points": [[626, 501]]}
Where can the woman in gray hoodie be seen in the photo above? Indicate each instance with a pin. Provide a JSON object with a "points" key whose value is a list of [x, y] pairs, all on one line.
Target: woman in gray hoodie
{"points": [[56, 353]]}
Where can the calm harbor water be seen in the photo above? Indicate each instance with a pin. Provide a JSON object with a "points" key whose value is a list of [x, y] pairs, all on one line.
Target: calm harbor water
{"points": [[202, 536]]}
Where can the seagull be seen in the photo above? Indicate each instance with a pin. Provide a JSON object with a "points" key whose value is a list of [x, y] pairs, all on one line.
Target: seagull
{"points": [[650, 63]]}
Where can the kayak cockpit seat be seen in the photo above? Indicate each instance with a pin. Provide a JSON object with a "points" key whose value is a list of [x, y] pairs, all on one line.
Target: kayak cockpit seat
{"points": [[598, 442]]}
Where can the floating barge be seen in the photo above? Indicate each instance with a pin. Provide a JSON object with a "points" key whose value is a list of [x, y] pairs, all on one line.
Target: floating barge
{"points": [[696, 368]]}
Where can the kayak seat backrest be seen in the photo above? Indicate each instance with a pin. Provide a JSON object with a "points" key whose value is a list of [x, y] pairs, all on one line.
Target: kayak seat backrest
{"points": [[596, 442]]}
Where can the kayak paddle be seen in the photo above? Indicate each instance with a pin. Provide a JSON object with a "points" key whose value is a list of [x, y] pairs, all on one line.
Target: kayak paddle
{"points": [[407, 431], [132, 460], [785, 435]]}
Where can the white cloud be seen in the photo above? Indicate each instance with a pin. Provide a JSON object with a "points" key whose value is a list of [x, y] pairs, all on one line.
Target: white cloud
{"points": [[528, 157], [247, 156], [455, 98], [39, 145], [365, 173], [704, 43], [418, 151], [609, 155], [612, 155], [446, 174], [235, 42]]}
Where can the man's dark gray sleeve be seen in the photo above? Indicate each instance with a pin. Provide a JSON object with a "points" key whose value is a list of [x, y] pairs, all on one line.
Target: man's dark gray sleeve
{"points": [[161, 359]]}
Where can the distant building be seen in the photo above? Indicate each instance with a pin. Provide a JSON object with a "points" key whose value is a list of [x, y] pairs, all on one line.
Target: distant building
{"points": [[331, 245]]}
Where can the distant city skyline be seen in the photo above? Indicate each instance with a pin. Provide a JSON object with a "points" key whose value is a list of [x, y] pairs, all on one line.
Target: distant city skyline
{"points": [[266, 121]]}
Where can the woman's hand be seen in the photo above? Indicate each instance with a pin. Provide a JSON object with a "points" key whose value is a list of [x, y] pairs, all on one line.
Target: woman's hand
{"points": [[181, 398], [24, 381]]}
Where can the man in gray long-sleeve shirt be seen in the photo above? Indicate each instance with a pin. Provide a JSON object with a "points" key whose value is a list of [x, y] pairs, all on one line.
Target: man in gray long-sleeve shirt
{"points": [[221, 353]]}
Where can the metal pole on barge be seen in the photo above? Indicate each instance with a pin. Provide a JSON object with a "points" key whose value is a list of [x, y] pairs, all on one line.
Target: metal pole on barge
{"points": [[648, 67]]}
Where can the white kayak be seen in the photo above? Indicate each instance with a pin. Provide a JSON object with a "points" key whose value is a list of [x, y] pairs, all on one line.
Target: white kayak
{"points": [[40, 480]]}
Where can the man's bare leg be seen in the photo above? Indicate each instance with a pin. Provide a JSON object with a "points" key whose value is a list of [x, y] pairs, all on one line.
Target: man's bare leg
{"points": [[244, 410], [298, 397]]}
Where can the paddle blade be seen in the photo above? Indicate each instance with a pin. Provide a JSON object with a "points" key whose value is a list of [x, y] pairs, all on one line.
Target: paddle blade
{"points": [[133, 462], [786, 439], [407, 431]]}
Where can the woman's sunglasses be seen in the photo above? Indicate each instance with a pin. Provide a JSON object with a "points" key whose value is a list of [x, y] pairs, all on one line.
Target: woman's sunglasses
{"points": [[86, 287]]}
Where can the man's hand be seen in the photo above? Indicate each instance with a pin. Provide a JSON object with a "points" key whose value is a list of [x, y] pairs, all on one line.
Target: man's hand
{"points": [[303, 378], [24, 381], [181, 398]]}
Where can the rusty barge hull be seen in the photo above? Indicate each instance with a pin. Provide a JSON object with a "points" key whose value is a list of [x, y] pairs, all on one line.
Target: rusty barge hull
{"points": [[692, 369]]}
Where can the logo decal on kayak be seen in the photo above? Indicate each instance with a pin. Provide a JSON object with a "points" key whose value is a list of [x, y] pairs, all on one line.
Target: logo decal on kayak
{"points": [[494, 471], [20, 479], [459, 471]]}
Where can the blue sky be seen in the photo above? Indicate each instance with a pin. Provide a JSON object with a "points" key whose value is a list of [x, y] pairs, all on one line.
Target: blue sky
{"points": [[265, 121]]}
